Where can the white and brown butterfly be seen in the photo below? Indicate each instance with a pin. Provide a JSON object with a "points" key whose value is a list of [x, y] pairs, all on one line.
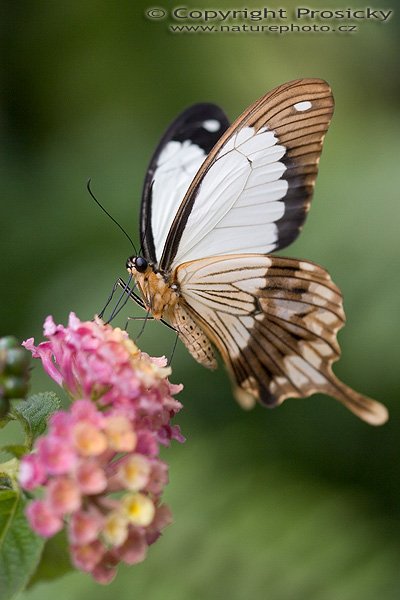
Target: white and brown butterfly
{"points": [[217, 200]]}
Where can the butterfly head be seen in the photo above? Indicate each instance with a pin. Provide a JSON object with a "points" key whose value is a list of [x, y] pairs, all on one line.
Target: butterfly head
{"points": [[138, 263], [159, 296]]}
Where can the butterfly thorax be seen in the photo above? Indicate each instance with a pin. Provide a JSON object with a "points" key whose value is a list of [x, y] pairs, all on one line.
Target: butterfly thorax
{"points": [[159, 295]]}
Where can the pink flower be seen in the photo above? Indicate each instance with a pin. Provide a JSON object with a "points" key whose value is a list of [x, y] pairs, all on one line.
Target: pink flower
{"points": [[119, 433], [84, 527], [134, 472], [98, 464], [63, 495], [87, 556], [94, 361], [105, 571], [158, 477], [162, 519], [85, 410], [91, 477], [56, 455], [42, 519], [89, 440], [134, 550], [31, 472]]}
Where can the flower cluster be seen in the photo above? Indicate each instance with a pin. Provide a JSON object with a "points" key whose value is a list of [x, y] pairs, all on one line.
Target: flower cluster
{"points": [[98, 466]]}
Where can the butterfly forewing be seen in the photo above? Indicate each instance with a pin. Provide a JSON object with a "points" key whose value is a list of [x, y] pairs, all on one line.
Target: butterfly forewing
{"points": [[175, 162], [252, 192], [274, 321]]}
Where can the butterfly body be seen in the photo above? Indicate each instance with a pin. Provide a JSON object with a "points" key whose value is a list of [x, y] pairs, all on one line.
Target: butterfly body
{"points": [[218, 200]]}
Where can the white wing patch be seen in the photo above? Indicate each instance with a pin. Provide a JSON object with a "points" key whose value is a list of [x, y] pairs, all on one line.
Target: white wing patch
{"points": [[239, 199], [176, 166], [212, 125], [302, 106]]}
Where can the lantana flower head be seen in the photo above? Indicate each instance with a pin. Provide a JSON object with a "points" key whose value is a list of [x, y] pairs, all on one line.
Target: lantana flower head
{"points": [[98, 467], [93, 360]]}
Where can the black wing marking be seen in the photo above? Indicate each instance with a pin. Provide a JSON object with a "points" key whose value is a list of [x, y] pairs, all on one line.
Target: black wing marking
{"points": [[187, 127]]}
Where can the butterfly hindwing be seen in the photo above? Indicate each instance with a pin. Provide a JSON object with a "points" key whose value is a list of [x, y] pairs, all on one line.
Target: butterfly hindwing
{"points": [[274, 321], [177, 158], [252, 192]]}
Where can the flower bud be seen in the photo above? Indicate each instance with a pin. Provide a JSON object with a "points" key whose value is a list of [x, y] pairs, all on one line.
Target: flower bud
{"points": [[14, 370], [17, 361], [8, 341], [14, 387]]}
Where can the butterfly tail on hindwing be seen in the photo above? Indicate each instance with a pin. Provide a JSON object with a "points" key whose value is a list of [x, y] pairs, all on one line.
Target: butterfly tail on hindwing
{"points": [[365, 408]]}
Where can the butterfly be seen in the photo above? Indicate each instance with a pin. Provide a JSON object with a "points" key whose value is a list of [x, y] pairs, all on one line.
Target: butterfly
{"points": [[218, 199]]}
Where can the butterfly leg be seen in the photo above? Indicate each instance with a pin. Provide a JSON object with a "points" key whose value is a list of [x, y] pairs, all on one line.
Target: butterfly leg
{"points": [[118, 307], [137, 319], [173, 349], [144, 320]]}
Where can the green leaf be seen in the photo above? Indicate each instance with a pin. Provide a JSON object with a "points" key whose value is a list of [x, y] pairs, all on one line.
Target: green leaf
{"points": [[55, 560], [16, 450], [4, 421], [9, 472], [34, 412], [20, 548]]}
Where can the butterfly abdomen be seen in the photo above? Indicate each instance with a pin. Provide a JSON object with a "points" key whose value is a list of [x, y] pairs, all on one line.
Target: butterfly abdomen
{"points": [[194, 338]]}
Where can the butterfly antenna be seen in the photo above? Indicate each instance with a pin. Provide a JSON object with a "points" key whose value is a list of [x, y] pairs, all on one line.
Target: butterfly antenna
{"points": [[89, 189]]}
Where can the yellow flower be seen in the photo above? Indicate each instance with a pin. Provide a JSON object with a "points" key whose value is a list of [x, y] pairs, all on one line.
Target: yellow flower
{"points": [[134, 472], [115, 530], [139, 509], [89, 441], [120, 434]]}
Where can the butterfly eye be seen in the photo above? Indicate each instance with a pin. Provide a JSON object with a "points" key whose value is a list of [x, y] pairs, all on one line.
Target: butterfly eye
{"points": [[140, 264]]}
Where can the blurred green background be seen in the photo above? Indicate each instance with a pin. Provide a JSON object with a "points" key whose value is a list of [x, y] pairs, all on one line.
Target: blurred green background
{"points": [[300, 503]]}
